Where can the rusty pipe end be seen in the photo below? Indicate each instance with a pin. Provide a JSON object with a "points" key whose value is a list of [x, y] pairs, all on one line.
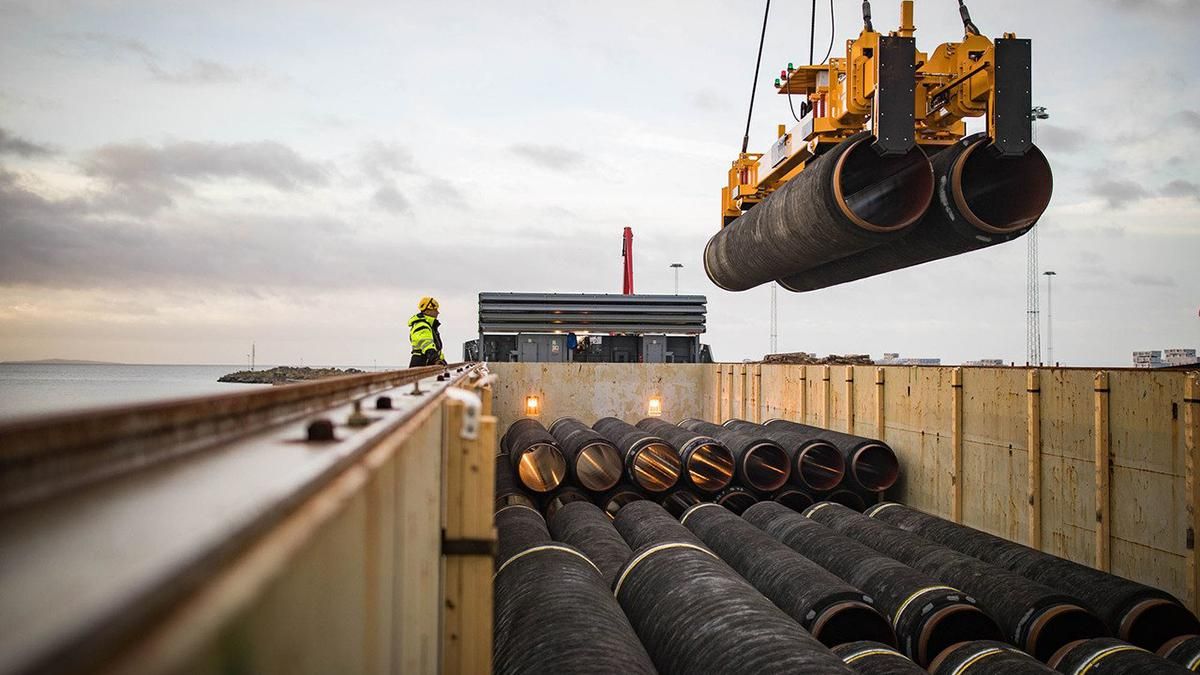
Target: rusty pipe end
{"points": [[882, 194], [793, 499], [710, 467], [819, 466], [598, 467], [655, 466], [737, 500], [847, 498], [875, 467], [541, 467], [766, 467], [1151, 623], [950, 625], [1058, 625], [851, 621], [1000, 195]]}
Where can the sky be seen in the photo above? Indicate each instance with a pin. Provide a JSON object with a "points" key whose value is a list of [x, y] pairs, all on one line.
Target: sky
{"points": [[181, 179]]}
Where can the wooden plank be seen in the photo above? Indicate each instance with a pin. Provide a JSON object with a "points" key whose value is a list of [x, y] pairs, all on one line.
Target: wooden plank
{"points": [[803, 418], [1033, 447], [956, 440], [826, 399], [849, 399], [1191, 419], [714, 414], [879, 414], [1103, 445], [756, 394]]}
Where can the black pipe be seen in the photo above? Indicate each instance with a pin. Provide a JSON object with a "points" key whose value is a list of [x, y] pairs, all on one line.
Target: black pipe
{"points": [[535, 455], [508, 490], [707, 463], [831, 610], [1134, 612], [873, 658], [816, 464], [696, 615], [615, 499], [1036, 618], [561, 497], [1184, 650], [593, 462], [678, 501], [760, 464], [1101, 656], [927, 615], [987, 657], [981, 200], [844, 201], [793, 498], [851, 499], [650, 462], [736, 498], [518, 528], [553, 608], [871, 462], [588, 529]]}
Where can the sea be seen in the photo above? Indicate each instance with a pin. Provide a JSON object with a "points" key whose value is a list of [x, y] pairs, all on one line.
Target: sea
{"points": [[39, 389]]}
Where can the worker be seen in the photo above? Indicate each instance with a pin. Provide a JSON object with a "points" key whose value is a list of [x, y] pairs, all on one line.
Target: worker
{"points": [[424, 336]]}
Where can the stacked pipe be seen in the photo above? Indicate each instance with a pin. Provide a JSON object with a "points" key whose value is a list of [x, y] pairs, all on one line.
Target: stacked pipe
{"points": [[508, 490], [590, 530], [873, 658], [552, 606], [847, 200], [1184, 650], [1036, 618], [987, 657], [535, 456], [981, 200], [831, 610], [927, 615], [707, 463], [616, 499], [1106, 656], [650, 462], [736, 498], [1136, 613], [870, 463], [759, 463], [816, 464], [696, 615], [592, 461]]}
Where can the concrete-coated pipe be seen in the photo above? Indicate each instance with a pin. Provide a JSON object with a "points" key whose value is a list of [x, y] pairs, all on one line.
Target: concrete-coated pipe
{"points": [[1184, 650], [794, 498], [1036, 618], [1108, 656], [927, 614], [535, 455], [831, 610], [759, 463], [870, 462], [707, 463], [847, 200], [651, 463], [677, 501], [816, 463], [593, 461], [873, 658], [617, 498], [1134, 612], [736, 498], [590, 530], [567, 494], [986, 657], [508, 490], [981, 200]]}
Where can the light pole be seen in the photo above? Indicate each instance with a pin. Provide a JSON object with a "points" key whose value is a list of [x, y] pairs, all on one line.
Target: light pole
{"points": [[676, 267], [1049, 274]]}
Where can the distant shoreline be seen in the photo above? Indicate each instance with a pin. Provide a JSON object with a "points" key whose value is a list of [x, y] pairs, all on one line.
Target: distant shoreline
{"points": [[61, 362]]}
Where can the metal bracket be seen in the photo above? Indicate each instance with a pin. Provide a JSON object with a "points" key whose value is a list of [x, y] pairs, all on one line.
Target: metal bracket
{"points": [[484, 547], [472, 409]]}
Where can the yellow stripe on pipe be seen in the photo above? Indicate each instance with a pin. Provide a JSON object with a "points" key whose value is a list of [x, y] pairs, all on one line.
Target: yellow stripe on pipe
{"points": [[545, 547], [651, 551]]}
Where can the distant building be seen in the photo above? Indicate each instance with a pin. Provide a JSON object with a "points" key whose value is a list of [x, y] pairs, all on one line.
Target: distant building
{"points": [[893, 359], [1165, 358], [985, 362]]}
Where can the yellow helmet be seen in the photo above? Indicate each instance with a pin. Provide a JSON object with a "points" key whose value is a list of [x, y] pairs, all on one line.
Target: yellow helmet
{"points": [[427, 303]]}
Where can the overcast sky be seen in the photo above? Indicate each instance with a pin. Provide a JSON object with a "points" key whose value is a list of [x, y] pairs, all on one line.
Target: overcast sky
{"points": [[179, 179]]}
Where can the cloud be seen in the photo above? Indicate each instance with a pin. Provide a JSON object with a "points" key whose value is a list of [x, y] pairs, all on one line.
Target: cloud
{"points": [[198, 71], [1119, 192], [1181, 188], [553, 157], [1165, 8], [15, 145], [442, 192], [1188, 118], [381, 160], [144, 178], [1062, 139], [710, 100], [1152, 280], [388, 198]]}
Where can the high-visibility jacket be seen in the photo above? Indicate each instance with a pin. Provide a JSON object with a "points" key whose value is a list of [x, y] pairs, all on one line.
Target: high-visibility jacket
{"points": [[424, 336]]}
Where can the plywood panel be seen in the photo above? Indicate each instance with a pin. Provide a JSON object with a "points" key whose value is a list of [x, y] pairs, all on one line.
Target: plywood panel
{"points": [[1157, 568], [594, 390], [995, 471]]}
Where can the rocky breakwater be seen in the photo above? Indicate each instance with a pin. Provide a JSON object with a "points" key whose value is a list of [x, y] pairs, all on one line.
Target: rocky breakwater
{"points": [[285, 375]]}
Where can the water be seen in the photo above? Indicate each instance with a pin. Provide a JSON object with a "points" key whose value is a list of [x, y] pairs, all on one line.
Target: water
{"points": [[37, 389]]}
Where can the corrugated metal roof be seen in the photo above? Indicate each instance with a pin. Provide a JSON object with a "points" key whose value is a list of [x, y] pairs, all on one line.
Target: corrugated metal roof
{"points": [[591, 312]]}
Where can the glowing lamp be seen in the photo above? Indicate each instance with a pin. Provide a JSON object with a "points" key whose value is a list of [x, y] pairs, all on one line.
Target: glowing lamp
{"points": [[655, 407], [533, 406]]}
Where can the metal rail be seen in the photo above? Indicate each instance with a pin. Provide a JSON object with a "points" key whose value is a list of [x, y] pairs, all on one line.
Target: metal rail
{"points": [[86, 572]]}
